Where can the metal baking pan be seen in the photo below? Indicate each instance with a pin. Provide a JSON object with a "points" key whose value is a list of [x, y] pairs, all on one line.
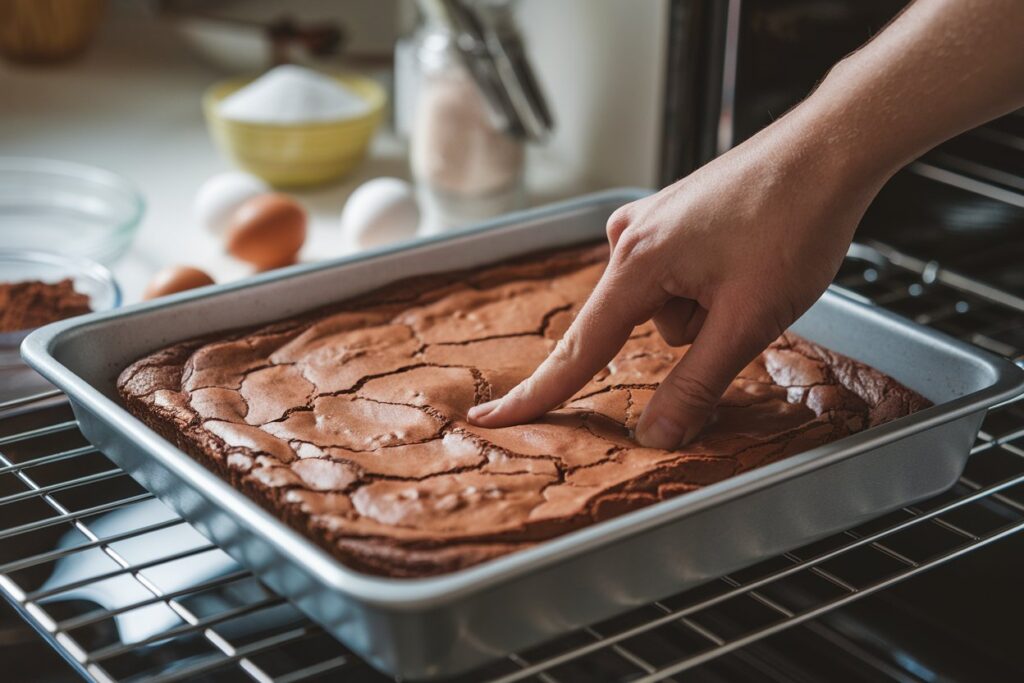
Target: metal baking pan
{"points": [[427, 627]]}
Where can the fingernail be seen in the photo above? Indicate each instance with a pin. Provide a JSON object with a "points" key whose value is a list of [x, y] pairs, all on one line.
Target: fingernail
{"points": [[483, 410], [661, 433]]}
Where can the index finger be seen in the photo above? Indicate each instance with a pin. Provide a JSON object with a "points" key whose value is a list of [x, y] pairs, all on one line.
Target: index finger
{"points": [[595, 336]]}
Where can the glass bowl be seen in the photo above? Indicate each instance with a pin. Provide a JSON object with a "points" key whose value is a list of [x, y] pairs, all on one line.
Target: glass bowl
{"points": [[71, 208], [17, 265]]}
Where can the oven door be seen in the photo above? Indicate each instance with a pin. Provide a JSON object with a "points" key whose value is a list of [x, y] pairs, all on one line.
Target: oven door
{"points": [[944, 245]]}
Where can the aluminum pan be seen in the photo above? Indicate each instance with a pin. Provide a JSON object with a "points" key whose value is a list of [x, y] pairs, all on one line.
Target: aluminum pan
{"points": [[390, 621]]}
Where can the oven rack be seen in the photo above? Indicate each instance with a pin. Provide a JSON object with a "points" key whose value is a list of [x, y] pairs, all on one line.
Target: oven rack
{"points": [[126, 591]]}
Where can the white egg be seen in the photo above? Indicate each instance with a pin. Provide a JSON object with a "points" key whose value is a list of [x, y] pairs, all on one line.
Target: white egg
{"points": [[379, 212], [220, 195]]}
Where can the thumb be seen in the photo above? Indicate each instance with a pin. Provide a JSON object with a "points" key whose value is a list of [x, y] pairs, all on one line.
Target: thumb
{"points": [[686, 397]]}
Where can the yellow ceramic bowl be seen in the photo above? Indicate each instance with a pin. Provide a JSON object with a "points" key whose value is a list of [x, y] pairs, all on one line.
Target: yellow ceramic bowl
{"points": [[293, 155]]}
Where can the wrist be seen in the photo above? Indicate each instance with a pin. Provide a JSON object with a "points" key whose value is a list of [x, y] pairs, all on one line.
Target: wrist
{"points": [[869, 116], [850, 142]]}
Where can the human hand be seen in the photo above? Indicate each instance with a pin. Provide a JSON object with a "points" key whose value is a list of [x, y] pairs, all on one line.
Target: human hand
{"points": [[726, 259], [729, 256]]}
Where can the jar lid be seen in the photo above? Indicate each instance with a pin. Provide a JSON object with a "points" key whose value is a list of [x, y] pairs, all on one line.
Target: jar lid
{"points": [[489, 44]]}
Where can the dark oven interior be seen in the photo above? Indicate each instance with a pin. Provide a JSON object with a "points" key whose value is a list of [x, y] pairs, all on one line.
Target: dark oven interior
{"points": [[944, 244]]}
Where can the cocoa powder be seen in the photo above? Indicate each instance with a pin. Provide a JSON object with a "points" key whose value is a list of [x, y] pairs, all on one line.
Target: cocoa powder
{"points": [[24, 305]]}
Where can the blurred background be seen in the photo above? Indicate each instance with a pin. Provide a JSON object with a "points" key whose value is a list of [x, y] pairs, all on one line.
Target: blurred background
{"points": [[120, 85]]}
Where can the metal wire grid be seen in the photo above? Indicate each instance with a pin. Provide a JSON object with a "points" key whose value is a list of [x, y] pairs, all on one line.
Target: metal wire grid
{"points": [[87, 556]]}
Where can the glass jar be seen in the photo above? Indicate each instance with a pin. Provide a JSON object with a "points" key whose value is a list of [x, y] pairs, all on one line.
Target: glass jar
{"points": [[466, 167]]}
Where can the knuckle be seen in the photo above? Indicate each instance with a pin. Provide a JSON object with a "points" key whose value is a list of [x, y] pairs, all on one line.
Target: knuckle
{"points": [[617, 224], [630, 247], [689, 393], [567, 349]]}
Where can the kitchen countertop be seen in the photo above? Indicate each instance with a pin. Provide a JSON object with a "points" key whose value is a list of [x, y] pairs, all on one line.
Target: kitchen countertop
{"points": [[131, 104]]}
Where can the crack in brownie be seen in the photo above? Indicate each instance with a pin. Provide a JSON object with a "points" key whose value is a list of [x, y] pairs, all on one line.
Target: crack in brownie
{"points": [[350, 423]]}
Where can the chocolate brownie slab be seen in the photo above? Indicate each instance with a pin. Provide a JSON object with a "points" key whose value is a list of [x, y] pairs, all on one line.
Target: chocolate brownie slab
{"points": [[349, 423]]}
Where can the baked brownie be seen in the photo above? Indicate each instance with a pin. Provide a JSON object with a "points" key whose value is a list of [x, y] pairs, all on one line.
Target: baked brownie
{"points": [[350, 423]]}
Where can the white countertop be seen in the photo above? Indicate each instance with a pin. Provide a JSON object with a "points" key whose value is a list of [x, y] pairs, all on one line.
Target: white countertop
{"points": [[132, 105]]}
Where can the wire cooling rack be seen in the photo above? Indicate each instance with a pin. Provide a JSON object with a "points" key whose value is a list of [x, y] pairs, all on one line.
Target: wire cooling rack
{"points": [[127, 591]]}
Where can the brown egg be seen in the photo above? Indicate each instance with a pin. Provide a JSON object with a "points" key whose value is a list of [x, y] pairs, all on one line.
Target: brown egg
{"points": [[267, 231], [176, 279]]}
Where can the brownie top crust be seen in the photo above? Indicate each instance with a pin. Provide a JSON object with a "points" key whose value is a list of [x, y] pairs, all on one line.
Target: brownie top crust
{"points": [[350, 423]]}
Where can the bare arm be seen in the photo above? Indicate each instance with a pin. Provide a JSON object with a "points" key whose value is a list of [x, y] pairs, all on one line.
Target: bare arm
{"points": [[731, 255], [941, 67]]}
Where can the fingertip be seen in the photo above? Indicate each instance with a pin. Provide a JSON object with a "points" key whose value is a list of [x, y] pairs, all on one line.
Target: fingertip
{"points": [[658, 431], [480, 412], [504, 412]]}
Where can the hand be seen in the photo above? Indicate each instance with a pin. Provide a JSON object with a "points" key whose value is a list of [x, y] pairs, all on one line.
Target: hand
{"points": [[726, 259]]}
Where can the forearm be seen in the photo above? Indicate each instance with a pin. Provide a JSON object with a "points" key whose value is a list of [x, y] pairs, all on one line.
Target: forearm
{"points": [[940, 68], [728, 257]]}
